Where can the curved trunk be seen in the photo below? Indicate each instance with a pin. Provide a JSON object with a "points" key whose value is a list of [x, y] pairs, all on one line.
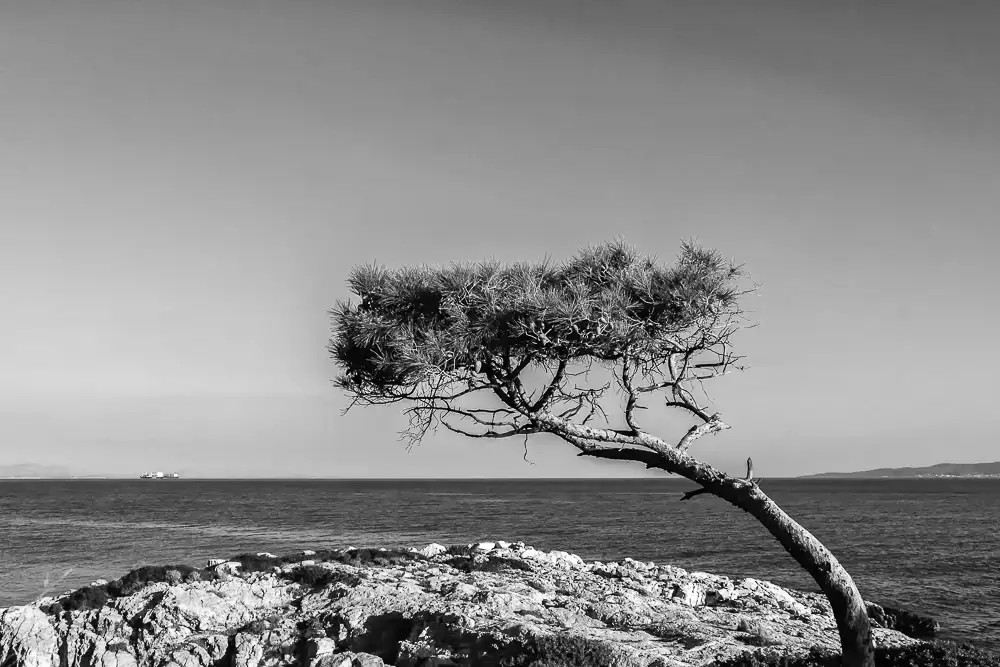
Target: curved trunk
{"points": [[848, 606]]}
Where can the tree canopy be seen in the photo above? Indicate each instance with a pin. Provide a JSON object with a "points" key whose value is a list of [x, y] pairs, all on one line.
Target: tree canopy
{"points": [[440, 337]]}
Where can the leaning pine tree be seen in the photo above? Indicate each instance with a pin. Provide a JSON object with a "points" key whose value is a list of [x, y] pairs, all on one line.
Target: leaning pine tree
{"points": [[493, 350]]}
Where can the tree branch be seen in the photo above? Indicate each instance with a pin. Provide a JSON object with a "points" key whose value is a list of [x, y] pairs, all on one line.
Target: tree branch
{"points": [[691, 494], [550, 422], [690, 407], [645, 456], [713, 425], [632, 397], [697, 492], [549, 390], [524, 430]]}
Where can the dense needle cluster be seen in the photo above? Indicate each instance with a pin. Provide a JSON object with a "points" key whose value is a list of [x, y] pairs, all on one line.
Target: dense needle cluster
{"points": [[433, 336]]}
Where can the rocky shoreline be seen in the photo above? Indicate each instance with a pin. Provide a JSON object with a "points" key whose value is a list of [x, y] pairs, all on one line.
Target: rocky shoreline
{"points": [[491, 603]]}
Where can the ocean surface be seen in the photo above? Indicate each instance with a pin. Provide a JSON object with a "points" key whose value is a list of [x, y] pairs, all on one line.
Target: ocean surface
{"points": [[927, 545]]}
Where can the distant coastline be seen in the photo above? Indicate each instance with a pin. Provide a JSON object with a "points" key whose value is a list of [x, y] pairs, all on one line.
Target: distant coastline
{"points": [[34, 471], [940, 470]]}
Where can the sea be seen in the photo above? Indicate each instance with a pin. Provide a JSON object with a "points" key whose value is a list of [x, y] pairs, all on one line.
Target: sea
{"points": [[927, 545]]}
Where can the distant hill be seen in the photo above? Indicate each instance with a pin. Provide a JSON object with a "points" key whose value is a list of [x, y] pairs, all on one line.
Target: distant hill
{"points": [[33, 470], [939, 470]]}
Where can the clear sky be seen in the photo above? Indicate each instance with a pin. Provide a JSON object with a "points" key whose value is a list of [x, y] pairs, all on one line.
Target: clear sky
{"points": [[185, 184]]}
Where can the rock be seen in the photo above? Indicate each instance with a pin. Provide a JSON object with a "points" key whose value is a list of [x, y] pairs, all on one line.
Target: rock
{"points": [[617, 615], [638, 565], [775, 593], [565, 560], [433, 549], [568, 618], [265, 554], [720, 596], [906, 622], [690, 593], [463, 590], [228, 567], [27, 638], [433, 610], [308, 552], [320, 647]]}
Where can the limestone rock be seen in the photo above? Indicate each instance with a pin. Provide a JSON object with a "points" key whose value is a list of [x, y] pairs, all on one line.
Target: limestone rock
{"points": [[228, 567], [433, 549], [907, 622], [565, 560], [429, 608], [27, 638]]}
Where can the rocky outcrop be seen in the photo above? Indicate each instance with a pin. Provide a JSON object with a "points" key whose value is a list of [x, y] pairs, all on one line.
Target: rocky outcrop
{"points": [[907, 622], [492, 603]]}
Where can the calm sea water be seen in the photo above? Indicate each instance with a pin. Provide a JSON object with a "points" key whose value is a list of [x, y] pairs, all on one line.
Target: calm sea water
{"points": [[931, 546]]}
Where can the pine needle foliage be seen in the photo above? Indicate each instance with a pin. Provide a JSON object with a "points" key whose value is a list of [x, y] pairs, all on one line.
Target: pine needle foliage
{"points": [[432, 335]]}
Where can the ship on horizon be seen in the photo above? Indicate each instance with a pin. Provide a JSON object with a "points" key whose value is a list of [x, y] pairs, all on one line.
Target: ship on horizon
{"points": [[159, 475]]}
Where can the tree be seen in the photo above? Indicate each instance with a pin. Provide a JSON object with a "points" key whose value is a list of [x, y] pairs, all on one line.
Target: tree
{"points": [[495, 350]]}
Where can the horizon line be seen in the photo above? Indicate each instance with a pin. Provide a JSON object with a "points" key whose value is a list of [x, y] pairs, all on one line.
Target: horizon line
{"points": [[667, 476]]}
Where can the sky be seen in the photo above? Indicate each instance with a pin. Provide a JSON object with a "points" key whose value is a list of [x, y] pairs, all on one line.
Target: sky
{"points": [[185, 185]]}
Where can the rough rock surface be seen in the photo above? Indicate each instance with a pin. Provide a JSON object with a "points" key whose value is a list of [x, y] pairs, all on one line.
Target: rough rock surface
{"points": [[437, 608]]}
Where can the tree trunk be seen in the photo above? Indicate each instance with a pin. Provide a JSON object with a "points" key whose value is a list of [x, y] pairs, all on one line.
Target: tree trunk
{"points": [[848, 606]]}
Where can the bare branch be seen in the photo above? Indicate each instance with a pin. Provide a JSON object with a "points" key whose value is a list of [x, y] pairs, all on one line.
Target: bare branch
{"points": [[697, 492], [713, 425], [525, 361], [553, 424], [655, 387], [691, 494], [551, 388], [588, 448], [447, 409], [527, 430], [690, 408], [749, 476], [632, 396]]}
